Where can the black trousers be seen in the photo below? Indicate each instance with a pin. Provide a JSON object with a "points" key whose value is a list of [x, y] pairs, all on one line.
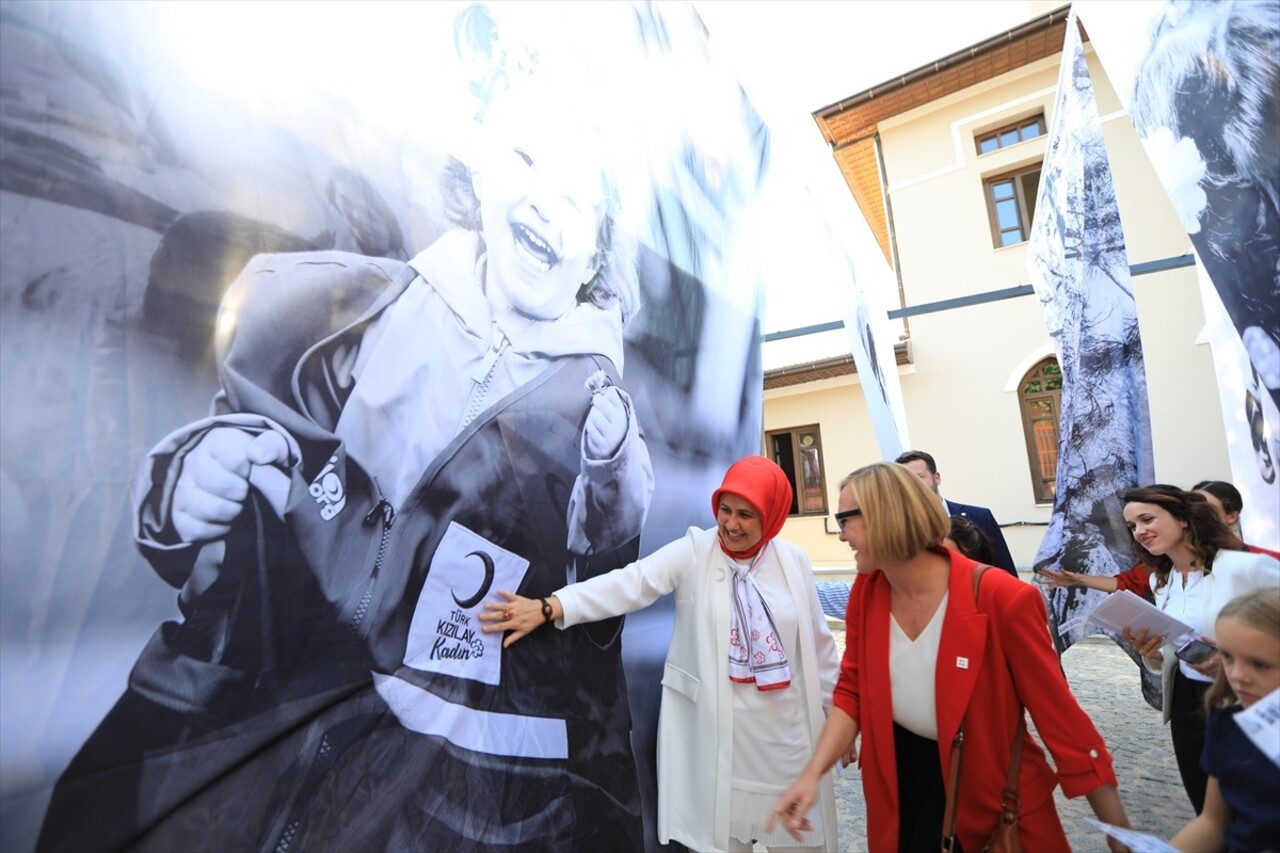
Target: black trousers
{"points": [[922, 795], [1186, 724]]}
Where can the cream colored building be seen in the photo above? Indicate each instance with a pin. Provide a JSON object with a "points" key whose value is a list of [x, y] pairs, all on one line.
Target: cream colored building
{"points": [[910, 150]]}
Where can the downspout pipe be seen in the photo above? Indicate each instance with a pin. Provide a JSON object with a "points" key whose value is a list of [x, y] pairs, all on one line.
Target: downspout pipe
{"points": [[893, 236]]}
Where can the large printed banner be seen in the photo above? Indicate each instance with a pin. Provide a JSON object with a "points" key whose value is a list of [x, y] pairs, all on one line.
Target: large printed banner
{"points": [[321, 323], [1080, 271], [1201, 82], [815, 251], [871, 343], [1252, 424]]}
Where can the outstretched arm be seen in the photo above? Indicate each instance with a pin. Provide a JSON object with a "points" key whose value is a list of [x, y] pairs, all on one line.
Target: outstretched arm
{"points": [[1080, 754], [614, 593], [837, 740], [1061, 579], [1105, 801], [519, 616]]}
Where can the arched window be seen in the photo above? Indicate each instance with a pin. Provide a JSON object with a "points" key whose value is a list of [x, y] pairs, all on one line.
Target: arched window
{"points": [[1040, 398]]}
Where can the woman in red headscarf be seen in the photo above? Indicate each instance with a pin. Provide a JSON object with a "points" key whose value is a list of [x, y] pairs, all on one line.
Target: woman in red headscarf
{"points": [[749, 672]]}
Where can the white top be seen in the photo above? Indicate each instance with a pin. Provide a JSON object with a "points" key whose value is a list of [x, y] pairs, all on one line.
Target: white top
{"points": [[771, 738], [912, 664], [1183, 598], [1234, 573]]}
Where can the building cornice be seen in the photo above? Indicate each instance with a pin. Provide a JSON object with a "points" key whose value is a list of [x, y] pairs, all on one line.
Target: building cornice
{"points": [[827, 368]]}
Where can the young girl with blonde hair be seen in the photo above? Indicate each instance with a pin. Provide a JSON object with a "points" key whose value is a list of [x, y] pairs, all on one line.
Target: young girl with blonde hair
{"points": [[1241, 807]]}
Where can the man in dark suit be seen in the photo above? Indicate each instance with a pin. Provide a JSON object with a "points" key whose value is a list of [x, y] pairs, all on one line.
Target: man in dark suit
{"points": [[923, 466]]}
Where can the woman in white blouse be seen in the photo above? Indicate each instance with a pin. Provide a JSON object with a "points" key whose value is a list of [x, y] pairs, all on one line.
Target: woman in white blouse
{"points": [[1197, 565], [749, 672]]}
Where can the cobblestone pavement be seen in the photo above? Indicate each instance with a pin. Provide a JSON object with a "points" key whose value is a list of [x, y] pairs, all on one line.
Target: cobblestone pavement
{"points": [[1106, 683]]}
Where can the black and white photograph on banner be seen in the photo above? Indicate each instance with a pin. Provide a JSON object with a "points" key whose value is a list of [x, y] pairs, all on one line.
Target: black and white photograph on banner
{"points": [[867, 329], [1080, 270], [870, 342], [1255, 444], [1206, 90], [333, 326], [1200, 83]]}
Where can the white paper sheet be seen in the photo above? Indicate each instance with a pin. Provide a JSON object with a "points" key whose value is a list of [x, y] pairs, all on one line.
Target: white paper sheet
{"points": [[1261, 722], [1124, 609], [1137, 842]]}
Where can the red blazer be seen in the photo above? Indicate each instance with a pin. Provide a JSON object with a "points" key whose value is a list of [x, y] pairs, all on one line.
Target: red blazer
{"points": [[991, 667]]}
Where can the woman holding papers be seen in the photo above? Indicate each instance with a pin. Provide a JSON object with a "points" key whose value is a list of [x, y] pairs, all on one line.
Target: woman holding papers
{"points": [[1225, 500], [1197, 565]]}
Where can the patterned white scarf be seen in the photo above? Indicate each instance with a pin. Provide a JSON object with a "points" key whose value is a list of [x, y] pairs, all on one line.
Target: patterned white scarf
{"points": [[755, 650]]}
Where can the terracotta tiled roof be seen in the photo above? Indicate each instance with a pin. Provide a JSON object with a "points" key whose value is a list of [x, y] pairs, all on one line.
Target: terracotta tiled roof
{"points": [[849, 126]]}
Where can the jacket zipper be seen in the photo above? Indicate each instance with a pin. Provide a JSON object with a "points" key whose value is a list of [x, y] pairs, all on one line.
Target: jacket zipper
{"points": [[382, 509], [483, 377], [321, 755]]}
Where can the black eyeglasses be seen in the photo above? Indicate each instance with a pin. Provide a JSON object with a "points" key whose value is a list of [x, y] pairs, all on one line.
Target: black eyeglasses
{"points": [[842, 517]]}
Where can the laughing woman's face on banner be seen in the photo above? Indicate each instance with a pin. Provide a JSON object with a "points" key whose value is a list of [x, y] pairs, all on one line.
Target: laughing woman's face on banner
{"points": [[540, 182]]}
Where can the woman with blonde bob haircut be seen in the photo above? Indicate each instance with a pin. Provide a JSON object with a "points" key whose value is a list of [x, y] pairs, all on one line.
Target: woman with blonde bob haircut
{"points": [[939, 654], [909, 519]]}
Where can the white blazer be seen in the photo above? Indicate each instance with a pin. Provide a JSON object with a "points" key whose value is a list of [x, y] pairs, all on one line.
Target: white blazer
{"points": [[1234, 573], [695, 723]]}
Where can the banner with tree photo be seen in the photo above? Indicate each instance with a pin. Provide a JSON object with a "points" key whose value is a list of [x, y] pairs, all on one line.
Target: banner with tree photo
{"points": [[1080, 270]]}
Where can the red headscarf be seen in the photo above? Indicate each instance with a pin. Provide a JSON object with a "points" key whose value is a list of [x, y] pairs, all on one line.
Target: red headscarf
{"points": [[763, 485]]}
